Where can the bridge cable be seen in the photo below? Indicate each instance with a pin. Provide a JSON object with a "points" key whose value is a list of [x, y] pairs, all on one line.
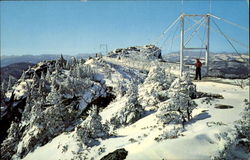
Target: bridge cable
{"points": [[230, 22], [194, 32], [165, 31], [173, 38], [236, 41], [223, 34]]}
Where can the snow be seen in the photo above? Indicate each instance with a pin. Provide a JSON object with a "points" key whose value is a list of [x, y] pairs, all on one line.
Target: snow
{"points": [[53, 150], [198, 141], [143, 90], [20, 90]]}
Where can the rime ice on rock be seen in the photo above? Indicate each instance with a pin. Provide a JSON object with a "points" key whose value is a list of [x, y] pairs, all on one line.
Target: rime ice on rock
{"points": [[147, 52]]}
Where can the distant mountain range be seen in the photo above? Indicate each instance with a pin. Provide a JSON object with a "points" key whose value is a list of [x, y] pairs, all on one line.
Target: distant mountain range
{"points": [[7, 60]]}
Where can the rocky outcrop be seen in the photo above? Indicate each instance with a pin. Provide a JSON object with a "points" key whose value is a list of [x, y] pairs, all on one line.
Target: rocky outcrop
{"points": [[119, 154], [147, 52], [42, 107]]}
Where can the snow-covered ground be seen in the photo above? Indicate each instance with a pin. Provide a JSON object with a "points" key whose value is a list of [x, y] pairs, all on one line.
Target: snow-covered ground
{"points": [[203, 137], [86, 110]]}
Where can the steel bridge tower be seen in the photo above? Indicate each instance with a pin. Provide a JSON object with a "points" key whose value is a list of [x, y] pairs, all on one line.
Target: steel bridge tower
{"points": [[182, 39]]}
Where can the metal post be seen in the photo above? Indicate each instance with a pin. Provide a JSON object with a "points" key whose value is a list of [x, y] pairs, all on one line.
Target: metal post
{"points": [[181, 44], [207, 45]]}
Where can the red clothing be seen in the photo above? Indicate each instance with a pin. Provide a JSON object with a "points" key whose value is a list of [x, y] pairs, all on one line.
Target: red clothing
{"points": [[198, 64]]}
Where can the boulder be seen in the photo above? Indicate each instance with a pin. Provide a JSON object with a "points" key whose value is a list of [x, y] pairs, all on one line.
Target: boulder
{"points": [[119, 154]]}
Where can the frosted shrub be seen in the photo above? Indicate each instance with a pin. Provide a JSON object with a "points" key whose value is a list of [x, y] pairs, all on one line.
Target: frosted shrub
{"points": [[154, 89], [184, 85], [129, 113], [179, 107], [92, 128], [85, 71], [170, 134], [238, 147]]}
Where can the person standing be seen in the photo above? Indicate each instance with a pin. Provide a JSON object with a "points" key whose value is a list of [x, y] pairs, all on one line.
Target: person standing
{"points": [[198, 65]]}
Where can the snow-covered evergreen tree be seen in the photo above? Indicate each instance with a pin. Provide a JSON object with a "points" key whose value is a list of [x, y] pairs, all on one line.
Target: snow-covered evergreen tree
{"points": [[184, 85], [130, 112], [155, 87], [67, 66], [11, 82], [23, 76], [179, 107], [42, 76], [74, 61], [47, 77], [4, 86], [8, 147], [92, 128], [35, 78]]}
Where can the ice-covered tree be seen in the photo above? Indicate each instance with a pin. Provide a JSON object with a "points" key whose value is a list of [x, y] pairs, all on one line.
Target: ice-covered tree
{"points": [[35, 77], [11, 82], [9, 145], [3, 86], [155, 87], [183, 84], [23, 76], [42, 76], [178, 109], [47, 77], [3, 90], [92, 128], [129, 112], [74, 61], [67, 66]]}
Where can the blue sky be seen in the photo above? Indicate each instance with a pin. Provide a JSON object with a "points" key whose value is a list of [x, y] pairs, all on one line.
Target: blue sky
{"points": [[72, 27]]}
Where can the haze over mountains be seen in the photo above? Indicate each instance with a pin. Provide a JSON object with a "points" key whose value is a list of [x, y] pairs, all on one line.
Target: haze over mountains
{"points": [[7, 60], [14, 65]]}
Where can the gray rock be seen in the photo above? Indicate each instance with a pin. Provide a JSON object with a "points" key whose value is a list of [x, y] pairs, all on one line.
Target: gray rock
{"points": [[119, 154]]}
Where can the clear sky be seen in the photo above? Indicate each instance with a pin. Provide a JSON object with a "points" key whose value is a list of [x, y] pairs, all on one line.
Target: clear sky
{"points": [[72, 27]]}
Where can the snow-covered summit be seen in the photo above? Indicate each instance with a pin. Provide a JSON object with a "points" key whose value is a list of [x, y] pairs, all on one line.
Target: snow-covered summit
{"points": [[146, 52], [90, 109]]}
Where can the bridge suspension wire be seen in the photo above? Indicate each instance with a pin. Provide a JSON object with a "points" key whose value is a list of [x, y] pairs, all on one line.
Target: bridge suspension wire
{"points": [[236, 41], [195, 23], [224, 35], [173, 37], [195, 31], [230, 22], [199, 36], [169, 27], [203, 42], [165, 31]]}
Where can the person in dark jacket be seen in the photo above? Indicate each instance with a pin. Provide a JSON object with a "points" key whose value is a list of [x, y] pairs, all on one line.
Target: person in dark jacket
{"points": [[198, 65]]}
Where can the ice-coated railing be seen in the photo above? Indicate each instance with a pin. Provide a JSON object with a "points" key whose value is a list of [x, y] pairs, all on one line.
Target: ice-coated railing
{"points": [[144, 65]]}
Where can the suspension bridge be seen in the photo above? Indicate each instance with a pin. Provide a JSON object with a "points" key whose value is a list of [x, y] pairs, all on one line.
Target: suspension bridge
{"points": [[195, 23]]}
